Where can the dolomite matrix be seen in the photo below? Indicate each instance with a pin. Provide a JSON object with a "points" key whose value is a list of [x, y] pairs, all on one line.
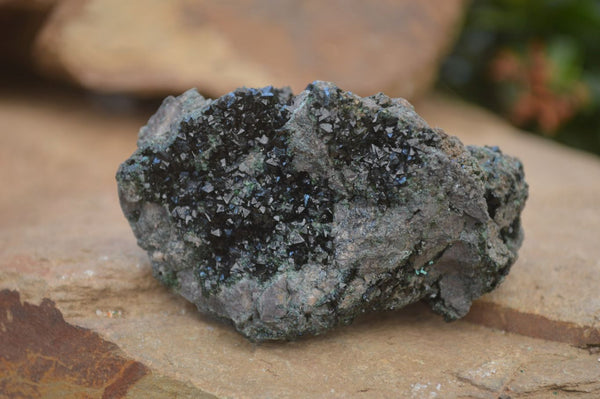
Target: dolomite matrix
{"points": [[289, 215]]}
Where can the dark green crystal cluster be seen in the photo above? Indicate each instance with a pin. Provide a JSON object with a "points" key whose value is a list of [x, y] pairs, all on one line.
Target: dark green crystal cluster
{"points": [[290, 214]]}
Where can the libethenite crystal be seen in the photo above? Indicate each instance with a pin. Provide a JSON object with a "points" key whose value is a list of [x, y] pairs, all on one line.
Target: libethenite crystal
{"points": [[289, 215]]}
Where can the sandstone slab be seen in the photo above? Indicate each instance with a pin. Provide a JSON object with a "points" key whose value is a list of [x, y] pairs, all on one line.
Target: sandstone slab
{"points": [[43, 356], [167, 47], [63, 237]]}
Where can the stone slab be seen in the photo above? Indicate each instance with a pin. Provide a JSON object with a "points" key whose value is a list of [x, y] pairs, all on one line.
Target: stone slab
{"points": [[552, 290], [63, 237], [43, 356]]}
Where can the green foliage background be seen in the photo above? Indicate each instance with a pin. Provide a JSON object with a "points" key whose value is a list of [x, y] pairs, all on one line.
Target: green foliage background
{"points": [[569, 31]]}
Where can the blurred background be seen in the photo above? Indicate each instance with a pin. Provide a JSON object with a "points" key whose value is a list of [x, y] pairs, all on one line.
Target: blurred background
{"points": [[535, 62]]}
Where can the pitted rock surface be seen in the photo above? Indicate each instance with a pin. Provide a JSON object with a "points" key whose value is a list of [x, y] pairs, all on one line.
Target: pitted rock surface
{"points": [[289, 215]]}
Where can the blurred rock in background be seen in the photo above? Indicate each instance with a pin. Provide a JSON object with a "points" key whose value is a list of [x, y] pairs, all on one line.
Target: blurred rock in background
{"points": [[154, 48]]}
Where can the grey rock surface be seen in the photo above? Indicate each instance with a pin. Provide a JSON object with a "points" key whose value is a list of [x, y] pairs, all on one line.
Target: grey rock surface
{"points": [[289, 215]]}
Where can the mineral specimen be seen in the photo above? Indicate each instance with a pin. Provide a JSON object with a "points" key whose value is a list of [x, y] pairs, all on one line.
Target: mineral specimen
{"points": [[289, 215]]}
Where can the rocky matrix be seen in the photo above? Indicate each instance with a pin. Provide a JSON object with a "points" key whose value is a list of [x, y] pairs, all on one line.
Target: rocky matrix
{"points": [[289, 215]]}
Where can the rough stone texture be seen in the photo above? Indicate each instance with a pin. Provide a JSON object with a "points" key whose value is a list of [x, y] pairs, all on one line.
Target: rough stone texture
{"points": [[291, 215], [550, 293], [63, 236], [165, 47], [42, 356]]}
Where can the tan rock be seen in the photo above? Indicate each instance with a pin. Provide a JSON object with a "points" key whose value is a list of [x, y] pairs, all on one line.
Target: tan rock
{"points": [[166, 47], [492, 375], [556, 373], [62, 236]]}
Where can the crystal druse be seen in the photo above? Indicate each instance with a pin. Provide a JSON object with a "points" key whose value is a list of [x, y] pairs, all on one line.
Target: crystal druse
{"points": [[289, 215]]}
